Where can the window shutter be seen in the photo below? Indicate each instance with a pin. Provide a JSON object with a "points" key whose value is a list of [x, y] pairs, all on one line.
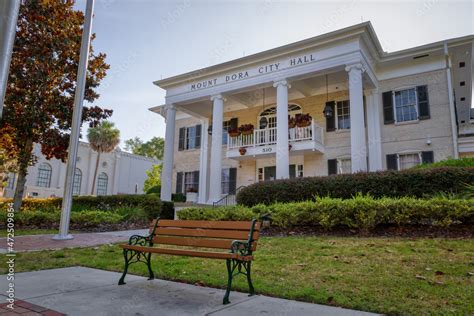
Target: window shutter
{"points": [[331, 121], [182, 132], [392, 162], [387, 100], [198, 136], [427, 157], [196, 180], [332, 166], [232, 180], [423, 103], [179, 182], [234, 122]]}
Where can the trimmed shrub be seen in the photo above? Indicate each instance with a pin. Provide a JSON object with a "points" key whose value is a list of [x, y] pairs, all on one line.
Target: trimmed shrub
{"points": [[414, 182], [451, 162], [362, 212], [178, 197], [167, 210]]}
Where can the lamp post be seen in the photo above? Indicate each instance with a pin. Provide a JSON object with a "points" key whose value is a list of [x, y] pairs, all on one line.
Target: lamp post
{"points": [[76, 125], [8, 18]]}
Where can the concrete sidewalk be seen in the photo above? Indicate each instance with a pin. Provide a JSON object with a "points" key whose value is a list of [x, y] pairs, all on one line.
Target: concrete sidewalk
{"points": [[85, 291], [45, 242]]}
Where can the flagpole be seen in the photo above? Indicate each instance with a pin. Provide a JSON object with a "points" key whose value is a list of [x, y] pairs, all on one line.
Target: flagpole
{"points": [[76, 125], [8, 18]]}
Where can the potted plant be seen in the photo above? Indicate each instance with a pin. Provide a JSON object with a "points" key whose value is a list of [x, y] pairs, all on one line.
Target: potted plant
{"points": [[233, 132], [246, 129], [303, 120], [291, 122], [242, 151], [192, 195]]}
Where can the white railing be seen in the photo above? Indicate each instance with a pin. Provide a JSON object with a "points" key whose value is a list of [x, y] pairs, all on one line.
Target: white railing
{"points": [[268, 136]]}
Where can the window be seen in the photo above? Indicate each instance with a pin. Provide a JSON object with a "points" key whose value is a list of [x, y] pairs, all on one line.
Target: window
{"points": [[11, 181], [229, 180], [406, 161], [462, 64], [44, 175], [462, 83], [191, 181], [270, 114], [299, 172], [76, 185], [343, 115], [189, 137], [102, 182], [405, 105], [190, 140], [344, 166], [225, 132]]}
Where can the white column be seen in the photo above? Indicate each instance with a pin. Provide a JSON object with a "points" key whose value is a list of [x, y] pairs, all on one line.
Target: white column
{"points": [[203, 163], [374, 130], [216, 149], [282, 151], [167, 171], [358, 143]]}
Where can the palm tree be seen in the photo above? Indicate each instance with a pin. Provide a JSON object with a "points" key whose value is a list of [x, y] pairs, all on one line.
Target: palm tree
{"points": [[103, 138]]}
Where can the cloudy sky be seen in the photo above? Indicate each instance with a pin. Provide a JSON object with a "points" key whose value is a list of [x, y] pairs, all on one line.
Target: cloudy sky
{"points": [[146, 40]]}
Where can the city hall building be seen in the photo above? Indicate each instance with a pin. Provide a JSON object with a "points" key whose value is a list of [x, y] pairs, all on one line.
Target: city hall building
{"points": [[335, 103]]}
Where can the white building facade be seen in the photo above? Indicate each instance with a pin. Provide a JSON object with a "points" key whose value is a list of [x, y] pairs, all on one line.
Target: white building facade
{"points": [[119, 173], [335, 103]]}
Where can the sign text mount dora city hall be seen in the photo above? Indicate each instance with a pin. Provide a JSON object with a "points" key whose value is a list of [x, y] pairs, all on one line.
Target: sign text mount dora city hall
{"points": [[273, 67]]}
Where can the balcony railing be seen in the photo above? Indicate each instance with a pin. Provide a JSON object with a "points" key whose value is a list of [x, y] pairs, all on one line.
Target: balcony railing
{"points": [[268, 136]]}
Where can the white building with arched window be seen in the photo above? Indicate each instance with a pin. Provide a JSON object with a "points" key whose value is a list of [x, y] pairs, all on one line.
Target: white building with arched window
{"points": [[119, 173]]}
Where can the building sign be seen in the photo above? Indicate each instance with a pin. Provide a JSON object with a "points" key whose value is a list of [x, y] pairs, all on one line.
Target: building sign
{"points": [[264, 69]]}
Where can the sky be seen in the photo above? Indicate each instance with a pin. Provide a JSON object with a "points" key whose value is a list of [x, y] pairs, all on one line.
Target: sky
{"points": [[147, 40]]}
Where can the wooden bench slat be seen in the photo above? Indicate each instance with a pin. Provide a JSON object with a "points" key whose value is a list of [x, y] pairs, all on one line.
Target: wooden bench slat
{"points": [[229, 225], [188, 253], [197, 242], [189, 232]]}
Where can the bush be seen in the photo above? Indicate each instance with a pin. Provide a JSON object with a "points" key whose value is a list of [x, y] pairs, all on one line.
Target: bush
{"points": [[178, 197], [167, 210], [155, 189], [362, 212], [414, 182], [451, 162]]}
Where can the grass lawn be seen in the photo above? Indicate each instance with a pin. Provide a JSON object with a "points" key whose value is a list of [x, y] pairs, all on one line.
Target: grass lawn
{"points": [[386, 275]]}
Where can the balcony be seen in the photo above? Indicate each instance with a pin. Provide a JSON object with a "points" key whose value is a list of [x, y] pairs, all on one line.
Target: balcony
{"points": [[262, 142]]}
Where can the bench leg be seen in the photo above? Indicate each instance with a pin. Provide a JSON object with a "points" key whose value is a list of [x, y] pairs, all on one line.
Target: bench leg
{"points": [[249, 279], [125, 269], [148, 263], [229, 281]]}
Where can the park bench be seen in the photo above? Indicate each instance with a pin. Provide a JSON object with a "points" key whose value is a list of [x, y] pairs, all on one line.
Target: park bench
{"points": [[238, 238]]}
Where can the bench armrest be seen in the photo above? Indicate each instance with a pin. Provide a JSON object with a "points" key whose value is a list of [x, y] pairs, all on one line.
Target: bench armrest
{"points": [[137, 240], [241, 247]]}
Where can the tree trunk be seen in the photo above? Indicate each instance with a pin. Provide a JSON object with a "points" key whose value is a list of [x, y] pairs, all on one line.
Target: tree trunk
{"points": [[95, 172], [23, 162]]}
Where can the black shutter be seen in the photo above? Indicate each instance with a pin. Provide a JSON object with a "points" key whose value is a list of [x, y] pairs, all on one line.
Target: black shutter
{"points": [[182, 132], [232, 180], [179, 182], [331, 121], [387, 100], [427, 157], [332, 166], [292, 171], [198, 136], [234, 122], [196, 180], [392, 162], [423, 103]]}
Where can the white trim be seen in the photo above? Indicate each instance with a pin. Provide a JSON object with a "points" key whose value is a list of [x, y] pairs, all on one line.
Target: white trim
{"points": [[417, 108]]}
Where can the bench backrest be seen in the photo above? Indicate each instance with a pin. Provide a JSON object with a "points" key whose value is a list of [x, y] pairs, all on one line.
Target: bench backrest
{"points": [[208, 234]]}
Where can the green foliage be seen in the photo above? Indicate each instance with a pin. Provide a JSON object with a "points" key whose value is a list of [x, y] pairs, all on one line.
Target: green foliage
{"points": [[153, 148], [153, 179], [167, 210], [154, 190], [451, 162], [178, 197], [414, 182], [361, 212], [103, 137]]}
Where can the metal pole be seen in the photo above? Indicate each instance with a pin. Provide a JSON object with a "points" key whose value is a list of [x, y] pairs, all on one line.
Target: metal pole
{"points": [[8, 17], [76, 125]]}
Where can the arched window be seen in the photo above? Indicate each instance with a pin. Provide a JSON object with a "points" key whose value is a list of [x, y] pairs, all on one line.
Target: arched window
{"points": [[270, 114], [44, 175], [76, 185], [102, 182]]}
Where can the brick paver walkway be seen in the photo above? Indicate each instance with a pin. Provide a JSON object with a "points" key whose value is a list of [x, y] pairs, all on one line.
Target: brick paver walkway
{"points": [[26, 309], [44, 242]]}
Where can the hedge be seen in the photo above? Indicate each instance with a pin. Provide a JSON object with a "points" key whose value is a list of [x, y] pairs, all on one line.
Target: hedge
{"points": [[413, 182], [451, 162], [362, 212], [149, 203]]}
